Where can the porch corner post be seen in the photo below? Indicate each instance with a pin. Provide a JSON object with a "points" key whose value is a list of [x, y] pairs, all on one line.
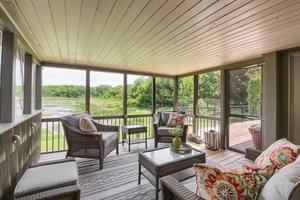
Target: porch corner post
{"points": [[125, 98], [195, 106], [8, 73], [223, 136], [175, 102], [28, 84], [38, 99], [88, 91]]}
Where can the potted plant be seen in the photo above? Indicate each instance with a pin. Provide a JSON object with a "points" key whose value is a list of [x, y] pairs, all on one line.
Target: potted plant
{"points": [[255, 131], [176, 141]]}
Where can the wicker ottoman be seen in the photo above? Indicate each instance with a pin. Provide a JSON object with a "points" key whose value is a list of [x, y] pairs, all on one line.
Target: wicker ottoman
{"points": [[49, 180]]}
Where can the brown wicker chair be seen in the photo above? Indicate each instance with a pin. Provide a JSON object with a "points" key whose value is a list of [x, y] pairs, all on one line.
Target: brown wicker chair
{"points": [[161, 133], [97, 145]]}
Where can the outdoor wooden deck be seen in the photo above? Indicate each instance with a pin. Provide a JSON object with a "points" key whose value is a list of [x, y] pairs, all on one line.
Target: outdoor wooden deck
{"points": [[239, 135]]}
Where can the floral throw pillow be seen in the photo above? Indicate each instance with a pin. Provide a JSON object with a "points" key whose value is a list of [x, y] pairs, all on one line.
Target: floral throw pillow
{"points": [[239, 184], [86, 125], [175, 120], [280, 153]]}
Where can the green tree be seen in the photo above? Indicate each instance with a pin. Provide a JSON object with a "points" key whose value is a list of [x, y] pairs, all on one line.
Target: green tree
{"points": [[164, 92], [209, 87], [254, 94], [186, 94]]}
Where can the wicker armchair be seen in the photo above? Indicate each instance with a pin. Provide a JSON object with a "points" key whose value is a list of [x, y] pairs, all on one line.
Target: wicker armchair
{"points": [[97, 145], [161, 131]]}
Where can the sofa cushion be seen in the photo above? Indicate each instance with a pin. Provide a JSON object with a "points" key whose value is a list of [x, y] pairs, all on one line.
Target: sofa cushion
{"points": [[175, 120], [86, 125], [47, 177], [239, 183], [163, 130], [280, 153], [108, 137], [285, 184]]}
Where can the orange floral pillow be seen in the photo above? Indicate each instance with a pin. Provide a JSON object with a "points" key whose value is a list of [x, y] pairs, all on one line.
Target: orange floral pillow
{"points": [[175, 120], [86, 125], [239, 183], [280, 153]]}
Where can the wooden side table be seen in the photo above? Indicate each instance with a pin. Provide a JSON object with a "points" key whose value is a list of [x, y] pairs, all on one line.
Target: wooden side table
{"points": [[131, 129]]}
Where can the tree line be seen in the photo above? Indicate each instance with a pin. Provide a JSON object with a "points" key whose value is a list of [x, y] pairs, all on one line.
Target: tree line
{"points": [[244, 90]]}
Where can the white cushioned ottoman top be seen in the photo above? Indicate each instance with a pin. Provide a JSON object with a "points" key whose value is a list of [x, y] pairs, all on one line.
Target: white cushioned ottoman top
{"points": [[47, 177]]}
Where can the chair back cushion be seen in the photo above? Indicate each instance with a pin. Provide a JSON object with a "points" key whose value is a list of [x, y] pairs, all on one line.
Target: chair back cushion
{"points": [[285, 184], [280, 153], [86, 125], [239, 183], [175, 120], [73, 120], [164, 118]]}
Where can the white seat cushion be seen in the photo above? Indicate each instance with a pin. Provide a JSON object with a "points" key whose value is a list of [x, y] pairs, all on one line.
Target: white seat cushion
{"points": [[163, 130], [108, 137], [47, 177]]}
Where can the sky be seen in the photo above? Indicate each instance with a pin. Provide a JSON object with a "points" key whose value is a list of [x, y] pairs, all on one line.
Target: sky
{"points": [[56, 76]]}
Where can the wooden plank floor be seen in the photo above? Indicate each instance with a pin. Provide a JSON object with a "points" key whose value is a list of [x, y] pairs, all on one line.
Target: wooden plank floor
{"points": [[118, 178], [222, 157]]}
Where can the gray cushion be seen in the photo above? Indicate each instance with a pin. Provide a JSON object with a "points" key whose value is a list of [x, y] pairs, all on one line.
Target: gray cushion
{"points": [[108, 137], [47, 177], [285, 184], [164, 118], [164, 130]]}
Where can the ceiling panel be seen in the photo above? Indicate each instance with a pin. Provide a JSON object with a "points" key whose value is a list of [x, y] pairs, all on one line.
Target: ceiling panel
{"points": [[171, 37]]}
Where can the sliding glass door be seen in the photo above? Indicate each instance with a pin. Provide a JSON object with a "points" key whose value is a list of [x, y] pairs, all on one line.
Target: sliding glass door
{"points": [[244, 105]]}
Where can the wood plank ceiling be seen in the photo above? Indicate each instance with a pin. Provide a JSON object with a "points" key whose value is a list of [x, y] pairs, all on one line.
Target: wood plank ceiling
{"points": [[171, 37]]}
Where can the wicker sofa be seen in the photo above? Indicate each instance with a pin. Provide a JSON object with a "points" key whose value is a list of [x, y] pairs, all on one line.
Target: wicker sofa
{"points": [[97, 145], [172, 189]]}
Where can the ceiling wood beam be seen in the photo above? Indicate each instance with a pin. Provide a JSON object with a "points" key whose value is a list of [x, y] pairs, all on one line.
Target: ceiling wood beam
{"points": [[104, 69]]}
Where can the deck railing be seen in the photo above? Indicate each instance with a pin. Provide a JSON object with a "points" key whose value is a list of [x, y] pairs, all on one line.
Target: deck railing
{"points": [[53, 137]]}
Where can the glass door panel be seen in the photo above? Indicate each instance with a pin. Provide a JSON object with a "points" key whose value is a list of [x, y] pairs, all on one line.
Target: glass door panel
{"points": [[245, 108]]}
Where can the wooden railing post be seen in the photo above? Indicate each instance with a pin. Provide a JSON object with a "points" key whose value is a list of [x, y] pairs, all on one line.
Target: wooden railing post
{"points": [[195, 107], [224, 142], [175, 103], [125, 98], [88, 91]]}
